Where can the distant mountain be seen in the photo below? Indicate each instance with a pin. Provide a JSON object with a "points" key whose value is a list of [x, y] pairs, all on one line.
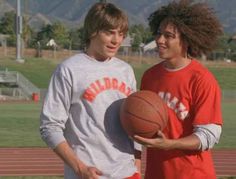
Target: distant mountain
{"points": [[226, 11], [72, 12], [38, 20], [5, 7]]}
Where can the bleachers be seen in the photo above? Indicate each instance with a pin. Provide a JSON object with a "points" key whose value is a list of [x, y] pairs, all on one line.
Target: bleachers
{"points": [[12, 81]]}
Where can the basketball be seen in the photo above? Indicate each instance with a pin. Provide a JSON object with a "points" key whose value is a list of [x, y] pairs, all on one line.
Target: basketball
{"points": [[143, 113]]}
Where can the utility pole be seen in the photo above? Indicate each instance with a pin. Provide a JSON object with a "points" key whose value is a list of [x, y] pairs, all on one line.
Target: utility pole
{"points": [[18, 32]]}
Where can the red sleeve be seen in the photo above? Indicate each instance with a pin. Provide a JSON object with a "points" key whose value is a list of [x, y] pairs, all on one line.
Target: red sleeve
{"points": [[207, 101]]}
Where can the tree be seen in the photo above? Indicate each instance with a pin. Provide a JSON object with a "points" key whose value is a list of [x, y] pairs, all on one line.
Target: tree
{"points": [[7, 26], [56, 31], [139, 35], [77, 38], [44, 35], [137, 40], [60, 35], [7, 23], [27, 33]]}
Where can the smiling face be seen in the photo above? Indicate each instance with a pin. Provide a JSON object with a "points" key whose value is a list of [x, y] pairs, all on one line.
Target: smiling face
{"points": [[170, 46], [105, 44]]}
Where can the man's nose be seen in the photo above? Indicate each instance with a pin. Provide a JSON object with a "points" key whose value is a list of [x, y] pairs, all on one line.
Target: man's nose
{"points": [[160, 39]]}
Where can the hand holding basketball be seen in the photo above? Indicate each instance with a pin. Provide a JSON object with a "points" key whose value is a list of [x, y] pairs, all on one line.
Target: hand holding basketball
{"points": [[160, 141]]}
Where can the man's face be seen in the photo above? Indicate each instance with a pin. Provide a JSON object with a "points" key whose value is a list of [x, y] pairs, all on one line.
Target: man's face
{"points": [[105, 44], [169, 43]]}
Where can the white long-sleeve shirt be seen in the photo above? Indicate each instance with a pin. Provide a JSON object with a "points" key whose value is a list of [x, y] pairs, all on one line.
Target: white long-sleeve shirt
{"points": [[82, 107]]}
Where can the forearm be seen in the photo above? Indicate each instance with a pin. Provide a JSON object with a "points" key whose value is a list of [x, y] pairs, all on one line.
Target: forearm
{"points": [[64, 151], [203, 138], [191, 142]]}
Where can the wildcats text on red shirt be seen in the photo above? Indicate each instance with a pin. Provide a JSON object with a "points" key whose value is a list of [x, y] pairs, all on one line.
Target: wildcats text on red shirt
{"points": [[175, 104]]}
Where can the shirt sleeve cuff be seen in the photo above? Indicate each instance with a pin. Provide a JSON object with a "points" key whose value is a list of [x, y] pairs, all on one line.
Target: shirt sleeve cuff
{"points": [[137, 146], [53, 139], [202, 140]]}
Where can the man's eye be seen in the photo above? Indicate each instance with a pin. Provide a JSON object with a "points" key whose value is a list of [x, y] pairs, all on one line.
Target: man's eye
{"points": [[166, 35], [169, 35], [107, 32]]}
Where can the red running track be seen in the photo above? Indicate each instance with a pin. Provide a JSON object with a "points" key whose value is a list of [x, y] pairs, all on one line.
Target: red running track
{"points": [[43, 162]]}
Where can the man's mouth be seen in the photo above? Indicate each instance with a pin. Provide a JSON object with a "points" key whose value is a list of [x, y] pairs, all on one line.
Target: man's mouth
{"points": [[161, 48], [110, 48]]}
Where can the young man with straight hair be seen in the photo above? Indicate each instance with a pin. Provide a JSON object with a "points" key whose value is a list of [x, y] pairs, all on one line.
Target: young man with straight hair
{"points": [[80, 115]]}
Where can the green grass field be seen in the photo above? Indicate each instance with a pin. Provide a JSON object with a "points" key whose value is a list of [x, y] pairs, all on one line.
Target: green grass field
{"points": [[225, 77], [20, 125], [20, 121], [39, 71]]}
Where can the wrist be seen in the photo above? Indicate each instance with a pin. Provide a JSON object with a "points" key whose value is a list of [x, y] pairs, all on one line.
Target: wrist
{"points": [[79, 167], [174, 144]]}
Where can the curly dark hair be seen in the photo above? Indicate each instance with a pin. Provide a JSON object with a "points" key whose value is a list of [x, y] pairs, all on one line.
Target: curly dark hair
{"points": [[196, 22]]}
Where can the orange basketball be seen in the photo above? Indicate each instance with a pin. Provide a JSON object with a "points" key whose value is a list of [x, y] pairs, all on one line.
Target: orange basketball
{"points": [[143, 113]]}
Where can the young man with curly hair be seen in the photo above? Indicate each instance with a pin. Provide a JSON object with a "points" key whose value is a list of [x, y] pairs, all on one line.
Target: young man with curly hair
{"points": [[184, 31], [80, 115]]}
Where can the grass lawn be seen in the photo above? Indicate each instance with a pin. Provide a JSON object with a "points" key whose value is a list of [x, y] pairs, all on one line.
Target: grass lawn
{"points": [[228, 130], [20, 121], [225, 77], [20, 125], [38, 71]]}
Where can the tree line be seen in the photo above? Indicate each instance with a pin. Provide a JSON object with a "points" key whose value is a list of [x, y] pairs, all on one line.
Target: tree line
{"points": [[64, 37], [73, 38]]}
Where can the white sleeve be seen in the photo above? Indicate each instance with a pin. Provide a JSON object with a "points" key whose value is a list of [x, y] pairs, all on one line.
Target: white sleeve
{"points": [[55, 110], [208, 134], [137, 146]]}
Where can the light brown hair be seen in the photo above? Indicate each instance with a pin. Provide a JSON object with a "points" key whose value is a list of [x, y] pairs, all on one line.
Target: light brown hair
{"points": [[104, 16]]}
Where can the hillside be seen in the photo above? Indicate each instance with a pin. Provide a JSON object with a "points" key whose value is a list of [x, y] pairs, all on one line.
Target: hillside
{"points": [[72, 12]]}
